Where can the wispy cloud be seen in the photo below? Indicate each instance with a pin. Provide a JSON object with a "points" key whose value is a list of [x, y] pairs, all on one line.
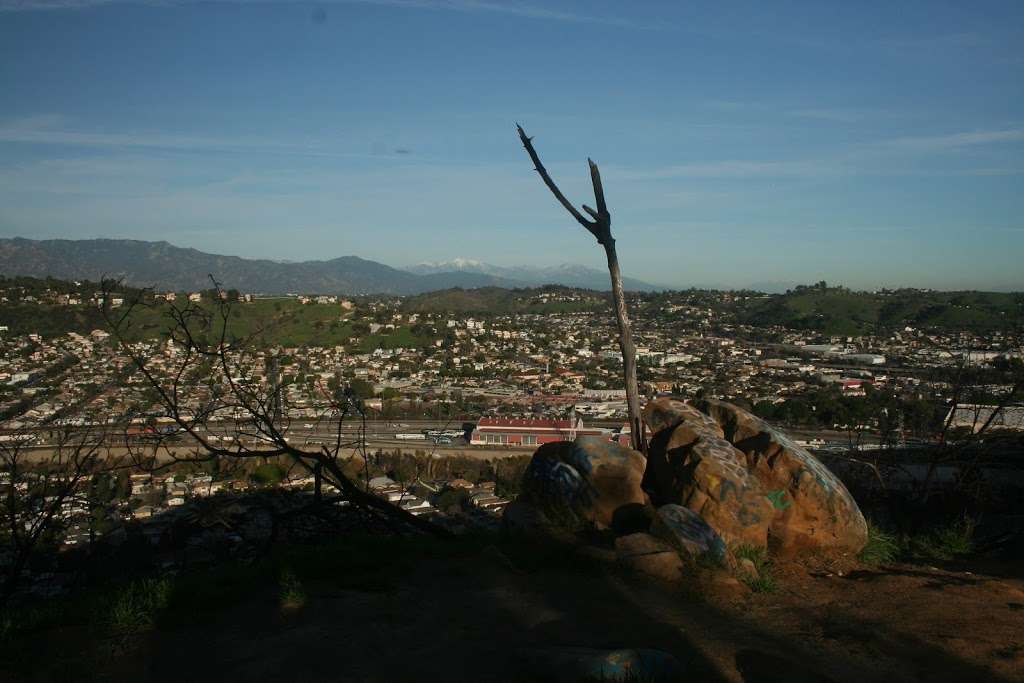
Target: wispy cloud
{"points": [[934, 143], [832, 114], [840, 114], [46, 129], [464, 6], [725, 169], [34, 122], [892, 157], [941, 41]]}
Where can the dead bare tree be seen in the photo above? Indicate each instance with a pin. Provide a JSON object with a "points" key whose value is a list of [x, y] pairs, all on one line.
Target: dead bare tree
{"points": [[41, 491], [203, 374], [601, 228]]}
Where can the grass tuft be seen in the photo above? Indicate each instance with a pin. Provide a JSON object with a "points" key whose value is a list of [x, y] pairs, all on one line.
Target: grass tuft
{"points": [[292, 593], [764, 581], [19, 620], [945, 543], [881, 548], [137, 606], [940, 543]]}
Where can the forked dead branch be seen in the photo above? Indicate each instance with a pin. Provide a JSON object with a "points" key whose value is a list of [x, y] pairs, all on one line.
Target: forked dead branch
{"points": [[601, 228]]}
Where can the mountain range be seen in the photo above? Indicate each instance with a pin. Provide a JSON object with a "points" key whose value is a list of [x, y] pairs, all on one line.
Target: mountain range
{"points": [[165, 266]]}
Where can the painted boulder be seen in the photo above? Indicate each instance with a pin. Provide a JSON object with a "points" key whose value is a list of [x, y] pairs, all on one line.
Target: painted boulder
{"points": [[688, 533], [666, 413], [812, 509], [587, 483], [747, 480], [665, 475], [691, 464]]}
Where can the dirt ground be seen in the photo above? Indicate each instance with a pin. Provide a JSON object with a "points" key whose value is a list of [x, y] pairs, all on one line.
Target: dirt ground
{"points": [[478, 618]]}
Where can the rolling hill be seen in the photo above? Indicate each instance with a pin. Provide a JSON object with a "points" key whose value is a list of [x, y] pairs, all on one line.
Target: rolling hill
{"points": [[165, 266], [835, 310]]}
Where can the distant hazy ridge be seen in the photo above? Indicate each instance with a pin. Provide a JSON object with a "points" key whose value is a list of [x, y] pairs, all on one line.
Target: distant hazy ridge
{"points": [[164, 266]]}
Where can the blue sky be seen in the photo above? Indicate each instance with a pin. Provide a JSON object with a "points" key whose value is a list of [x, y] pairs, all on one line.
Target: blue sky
{"points": [[868, 144]]}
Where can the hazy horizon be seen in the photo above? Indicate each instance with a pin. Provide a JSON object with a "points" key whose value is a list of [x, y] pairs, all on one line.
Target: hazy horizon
{"points": [[766, 286], [739, 144]]}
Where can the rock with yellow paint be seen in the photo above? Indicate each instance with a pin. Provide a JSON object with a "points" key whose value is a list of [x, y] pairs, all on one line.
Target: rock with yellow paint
{"points": [[749, 481]]}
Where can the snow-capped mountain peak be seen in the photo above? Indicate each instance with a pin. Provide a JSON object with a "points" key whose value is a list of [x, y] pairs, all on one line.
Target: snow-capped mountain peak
{"points": [[568, 274], [457, 263]]}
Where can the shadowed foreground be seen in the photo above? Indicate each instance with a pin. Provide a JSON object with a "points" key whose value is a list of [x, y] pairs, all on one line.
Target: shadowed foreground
{"points": [[388, 609]]}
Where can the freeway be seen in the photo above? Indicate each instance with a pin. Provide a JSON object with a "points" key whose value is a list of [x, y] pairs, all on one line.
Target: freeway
{"points": [[386, 432]]}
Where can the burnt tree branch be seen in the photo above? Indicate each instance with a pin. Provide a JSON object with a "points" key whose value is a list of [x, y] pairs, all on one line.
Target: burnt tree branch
{"points": [[601, 228]]}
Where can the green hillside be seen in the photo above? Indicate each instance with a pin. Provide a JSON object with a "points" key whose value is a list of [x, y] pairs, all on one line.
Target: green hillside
{"points": [[286, 322], [498, 301], [835, 310]]}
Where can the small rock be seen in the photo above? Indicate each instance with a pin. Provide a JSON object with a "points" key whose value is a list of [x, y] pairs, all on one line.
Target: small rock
{"points": [[719, 586], [592, 552], [644, 554], [745, 566]]}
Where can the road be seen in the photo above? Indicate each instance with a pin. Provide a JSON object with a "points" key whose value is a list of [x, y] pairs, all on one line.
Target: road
{"points": [[380, 435]]}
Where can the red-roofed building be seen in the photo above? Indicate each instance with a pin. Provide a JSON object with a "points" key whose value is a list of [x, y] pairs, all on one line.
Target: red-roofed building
{"points": [[500, 431]]}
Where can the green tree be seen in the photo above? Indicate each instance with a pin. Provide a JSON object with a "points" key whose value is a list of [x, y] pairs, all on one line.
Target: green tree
{"points": [[362, 388], [268, 474]]}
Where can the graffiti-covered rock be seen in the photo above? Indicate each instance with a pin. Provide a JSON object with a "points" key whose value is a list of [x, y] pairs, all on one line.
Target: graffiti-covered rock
{"points": [[812, 509], [717, 486], [688, 533], [666, 413], [750, 482], [715, 477], [589, 482], [666, 474], [691, 464]]}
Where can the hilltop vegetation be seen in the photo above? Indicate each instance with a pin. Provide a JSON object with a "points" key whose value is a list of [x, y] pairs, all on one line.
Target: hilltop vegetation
{"points": [[498, 301], [30, 306], [837, 310], [820, 308], [288, 323], [274, 321]]}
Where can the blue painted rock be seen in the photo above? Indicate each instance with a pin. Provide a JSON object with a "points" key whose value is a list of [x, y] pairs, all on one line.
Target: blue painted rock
{"points": [[586, 664], [645, 554], [590, 482], [688, 532], [811, 508]]}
